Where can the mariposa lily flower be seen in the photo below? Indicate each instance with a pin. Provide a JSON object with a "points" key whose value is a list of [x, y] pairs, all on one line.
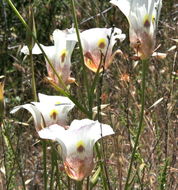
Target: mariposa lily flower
{"points": [[77, 144], [142, 16], [59, 55], [50, 110], [97, 46]]}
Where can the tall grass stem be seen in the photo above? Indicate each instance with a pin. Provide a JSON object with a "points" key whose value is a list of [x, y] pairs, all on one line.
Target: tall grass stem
{"points": [[80, 47], [9, 145], [140, 127], [44, 166]]}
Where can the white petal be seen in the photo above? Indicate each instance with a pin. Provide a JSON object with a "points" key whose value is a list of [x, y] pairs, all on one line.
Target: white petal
{"points": [[59, 38], [123, 5], [91, 36], [43, 98], [77, 124], [25, 50], [122, 37], [157, 10], [38, 120], [49, 50], [91, 130], [70, 44], [72, 37], [100, 130], [51, 132], [116, 33]]}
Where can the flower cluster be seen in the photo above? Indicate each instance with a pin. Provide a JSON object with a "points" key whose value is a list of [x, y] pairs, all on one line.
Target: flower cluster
{"points": [[97, 47], [51, 112], [76, 140]]}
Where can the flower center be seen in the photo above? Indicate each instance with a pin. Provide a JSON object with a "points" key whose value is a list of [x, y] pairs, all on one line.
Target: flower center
{"points": [[146, 22], [80, 147], [102, 43], [63, 55], [53, 114]]}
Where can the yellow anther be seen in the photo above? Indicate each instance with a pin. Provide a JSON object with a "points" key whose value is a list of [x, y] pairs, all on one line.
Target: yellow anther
{"points": [[153, 19]]}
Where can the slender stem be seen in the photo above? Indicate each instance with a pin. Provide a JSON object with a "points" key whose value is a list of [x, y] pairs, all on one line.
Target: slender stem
{"points": [[80, 47], [33, 77], [44, 165], [4, 58], [105, 176], [31, 24], [101, 166], [72, 98], [140, 127], [93, 86], [52, 168], [9, 144], [57, 175], [79, 185]]}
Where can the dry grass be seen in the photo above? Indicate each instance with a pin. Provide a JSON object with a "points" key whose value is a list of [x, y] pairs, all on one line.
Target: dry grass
{"points": [[156, 161]]}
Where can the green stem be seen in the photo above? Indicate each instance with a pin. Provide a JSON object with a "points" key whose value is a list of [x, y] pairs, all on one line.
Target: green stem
{"points": [[79, 185], [80, 47], [32, 26], [9, 144], [101, 166], [52, 168], [57, 174], [33, 77], [140, 127], [105, 177], [93, 86], [44, 165], [72, 98]]}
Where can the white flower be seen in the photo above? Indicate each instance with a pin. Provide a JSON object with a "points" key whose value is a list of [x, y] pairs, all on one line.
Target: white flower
{"points": [[143, 18], [50, 109], [97, 46], [77, 144], [59, 55]]}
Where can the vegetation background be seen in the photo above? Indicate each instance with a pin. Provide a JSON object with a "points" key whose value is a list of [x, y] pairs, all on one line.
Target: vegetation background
{"points": [[21, 153]]}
